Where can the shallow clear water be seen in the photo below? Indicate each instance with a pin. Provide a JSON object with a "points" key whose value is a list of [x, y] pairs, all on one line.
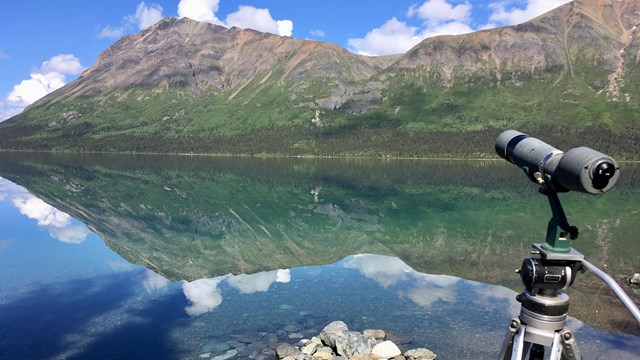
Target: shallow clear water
{"points": [[158, 274]]}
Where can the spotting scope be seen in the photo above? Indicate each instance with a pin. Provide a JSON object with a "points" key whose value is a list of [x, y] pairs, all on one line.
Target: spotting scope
{"points": [[580, 169]]}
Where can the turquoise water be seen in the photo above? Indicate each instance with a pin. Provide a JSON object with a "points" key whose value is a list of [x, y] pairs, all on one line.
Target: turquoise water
{"points": [[198, 258]]}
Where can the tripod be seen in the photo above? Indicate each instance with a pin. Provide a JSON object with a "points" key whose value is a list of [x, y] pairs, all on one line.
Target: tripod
{"points": [[544, 306]]}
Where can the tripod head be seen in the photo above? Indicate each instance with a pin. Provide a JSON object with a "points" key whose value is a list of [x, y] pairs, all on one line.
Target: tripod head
{"points": [[554, 264]]}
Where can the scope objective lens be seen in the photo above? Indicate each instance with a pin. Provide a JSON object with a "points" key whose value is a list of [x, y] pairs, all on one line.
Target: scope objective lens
{"points": [[602, 174]]}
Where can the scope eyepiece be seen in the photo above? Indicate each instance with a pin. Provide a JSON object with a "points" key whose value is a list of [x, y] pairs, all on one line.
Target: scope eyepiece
{"points": [[580, 169]]}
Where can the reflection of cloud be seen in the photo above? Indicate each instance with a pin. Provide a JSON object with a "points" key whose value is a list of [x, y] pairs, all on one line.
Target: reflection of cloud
{"points": [[154, 282], [488, 294], [58, 223], [119, 265], [37, 209], [260, 282], [385, 270], [203, 294], [574, 324], [69, 234], [433, 288]]}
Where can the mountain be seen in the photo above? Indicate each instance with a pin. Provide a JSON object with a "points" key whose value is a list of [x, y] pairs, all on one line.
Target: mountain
{"points": [[569, 76]]}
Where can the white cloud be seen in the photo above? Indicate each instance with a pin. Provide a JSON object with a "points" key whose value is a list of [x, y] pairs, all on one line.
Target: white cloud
{"points": [[110, 32], [438, 12], [58, 223], [259, 282], [285, 27], [246, 17], [507, 13], [444, 17], [62, 64], [51, 76], [317, 33], [200, 10], [394, 37], [7, 110], [145, 16], [203, 294]]}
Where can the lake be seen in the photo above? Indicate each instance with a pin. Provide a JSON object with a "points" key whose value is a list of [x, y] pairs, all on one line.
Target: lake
{"points": [[191, 257]]}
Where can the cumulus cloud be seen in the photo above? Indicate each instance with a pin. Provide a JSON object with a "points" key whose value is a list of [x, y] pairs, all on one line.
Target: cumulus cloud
{"points": [[393, 37], [204, 295], [200, 10], [145, 16], [259, 282], [444, 17], [245, 17], [258, 19], [509, 13], [438, 12], [49, 77], [58, 223]]}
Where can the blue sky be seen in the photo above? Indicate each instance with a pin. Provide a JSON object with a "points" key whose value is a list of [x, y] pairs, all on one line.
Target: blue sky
{"points": [[46, 44]]}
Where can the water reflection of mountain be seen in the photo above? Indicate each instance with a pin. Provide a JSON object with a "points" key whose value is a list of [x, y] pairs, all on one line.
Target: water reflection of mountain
{"points": [[200, 217]]}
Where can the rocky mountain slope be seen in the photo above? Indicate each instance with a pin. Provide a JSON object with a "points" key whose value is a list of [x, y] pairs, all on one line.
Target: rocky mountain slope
{"points": [[569, 76]]}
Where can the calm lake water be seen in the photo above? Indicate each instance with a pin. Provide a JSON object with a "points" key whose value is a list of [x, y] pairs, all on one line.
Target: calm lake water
{"points": [[178, 257]]}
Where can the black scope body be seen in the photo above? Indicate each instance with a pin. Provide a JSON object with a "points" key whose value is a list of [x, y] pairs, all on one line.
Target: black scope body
{"points": [[580, 169]]}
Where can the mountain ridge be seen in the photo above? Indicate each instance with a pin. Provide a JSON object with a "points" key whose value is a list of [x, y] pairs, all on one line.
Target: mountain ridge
{"points": [[188, 86]]}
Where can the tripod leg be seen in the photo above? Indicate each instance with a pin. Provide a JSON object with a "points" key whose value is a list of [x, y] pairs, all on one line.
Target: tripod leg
{"points": [[564, 346], [570, 349], [507, 351]]}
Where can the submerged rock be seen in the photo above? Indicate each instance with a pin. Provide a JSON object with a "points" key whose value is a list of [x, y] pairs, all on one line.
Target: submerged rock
{"points": [[337, 342]]}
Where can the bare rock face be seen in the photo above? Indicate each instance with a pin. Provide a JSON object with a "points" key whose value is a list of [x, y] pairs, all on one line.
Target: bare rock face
{"points": [[210, 57], [583, 31], [205, 56]]}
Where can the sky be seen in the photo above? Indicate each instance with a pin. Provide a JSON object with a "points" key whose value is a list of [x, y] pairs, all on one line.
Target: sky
{"points": [[46, 44]]}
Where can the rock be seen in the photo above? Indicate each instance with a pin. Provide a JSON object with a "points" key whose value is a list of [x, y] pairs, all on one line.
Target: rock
{"points": [[247, 338], [325, 349], [327, 335], [366, 356], [309, 349], [215, 347], [350, 343], [386, 349], [420, 354], [285, 350], [323, 356], [228, 355], [635, 279], [374, 334], [292, 328]]}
